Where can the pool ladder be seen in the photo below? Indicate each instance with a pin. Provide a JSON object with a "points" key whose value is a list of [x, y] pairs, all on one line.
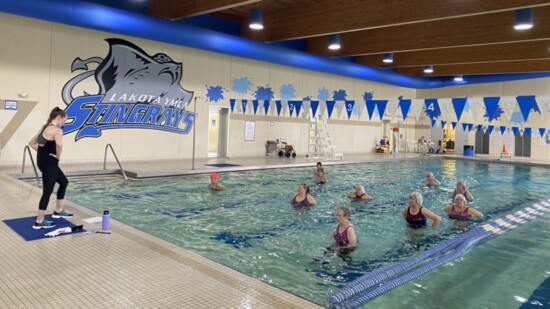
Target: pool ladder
{"points": [[116, 158], [26, 150]]}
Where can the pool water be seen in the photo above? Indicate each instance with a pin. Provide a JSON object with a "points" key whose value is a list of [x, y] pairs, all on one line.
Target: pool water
{"points": [[253, 228]]}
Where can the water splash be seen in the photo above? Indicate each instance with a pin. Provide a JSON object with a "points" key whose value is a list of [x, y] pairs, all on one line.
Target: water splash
{"points": [[214, 93], [368, 95], [339, 95], [517, 117], [241, 85], [323, 94], [264, 93], [287, 92], [496, 116]]}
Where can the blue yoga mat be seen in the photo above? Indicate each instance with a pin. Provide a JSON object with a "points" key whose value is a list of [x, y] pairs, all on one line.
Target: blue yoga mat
{"points": [[23, 227], [222, 164]]}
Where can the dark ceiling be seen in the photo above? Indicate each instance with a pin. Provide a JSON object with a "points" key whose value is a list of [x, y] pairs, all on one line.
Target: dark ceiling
{"points": [[457, 37]]}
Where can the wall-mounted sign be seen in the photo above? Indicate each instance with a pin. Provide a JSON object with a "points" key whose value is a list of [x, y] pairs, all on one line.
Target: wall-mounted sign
{"points": [[10, 105], [136, 91]]}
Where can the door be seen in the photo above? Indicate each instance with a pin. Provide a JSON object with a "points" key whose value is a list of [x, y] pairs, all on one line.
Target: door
{"points": [[217, 132], [482, 142], [523, 145]]}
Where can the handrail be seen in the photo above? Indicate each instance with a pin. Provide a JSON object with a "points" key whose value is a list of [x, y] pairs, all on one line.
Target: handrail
{"points": [[28, 149], [116, 158]]}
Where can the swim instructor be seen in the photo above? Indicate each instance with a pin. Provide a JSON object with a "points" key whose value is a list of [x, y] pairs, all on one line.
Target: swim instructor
{"points": [[48, 144]]}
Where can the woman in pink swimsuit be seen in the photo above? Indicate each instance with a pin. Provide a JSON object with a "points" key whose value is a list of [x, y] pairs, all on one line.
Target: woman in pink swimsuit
{"points": [[460, 210]]}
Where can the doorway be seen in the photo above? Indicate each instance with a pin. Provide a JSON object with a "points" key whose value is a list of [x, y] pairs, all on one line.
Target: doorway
{"points": [[482, 141], [217, 131], [449, 137], [522, 145]]}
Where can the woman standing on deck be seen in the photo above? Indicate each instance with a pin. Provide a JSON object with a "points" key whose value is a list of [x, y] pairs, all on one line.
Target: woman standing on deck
{"points": [[48, 144]]}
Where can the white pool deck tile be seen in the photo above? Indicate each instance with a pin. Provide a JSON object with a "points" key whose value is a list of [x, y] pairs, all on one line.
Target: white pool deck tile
{"points": [[129, 268]]}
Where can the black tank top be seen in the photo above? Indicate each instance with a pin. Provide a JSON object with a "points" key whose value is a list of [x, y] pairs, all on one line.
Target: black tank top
{"points": [[43, 157]]}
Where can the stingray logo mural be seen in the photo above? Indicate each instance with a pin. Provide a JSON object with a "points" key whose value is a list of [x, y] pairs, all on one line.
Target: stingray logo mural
{"points": [[136, 91]]}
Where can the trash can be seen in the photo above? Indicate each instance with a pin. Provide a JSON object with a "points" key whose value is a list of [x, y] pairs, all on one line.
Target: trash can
{"points": [[468, 150]]}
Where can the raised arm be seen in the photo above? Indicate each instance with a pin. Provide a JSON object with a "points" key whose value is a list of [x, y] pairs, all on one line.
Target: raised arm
{"points": [[58, 137], [351, 238], [33, 143], [475, 213], [429, 214], [311, 200], [404, 212]]}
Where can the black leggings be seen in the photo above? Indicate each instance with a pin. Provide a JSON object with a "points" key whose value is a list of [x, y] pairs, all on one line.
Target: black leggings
{"points": [[51, 175]]}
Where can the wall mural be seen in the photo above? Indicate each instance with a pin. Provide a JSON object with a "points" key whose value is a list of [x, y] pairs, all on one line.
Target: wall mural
{"points": [[136, 90], [214, 93]]}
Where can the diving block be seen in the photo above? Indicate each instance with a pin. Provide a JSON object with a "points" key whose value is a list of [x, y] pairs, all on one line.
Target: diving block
{"points": [[337, 156]]}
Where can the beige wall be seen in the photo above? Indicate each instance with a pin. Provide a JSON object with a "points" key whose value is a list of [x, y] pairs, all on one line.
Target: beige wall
{"points": [[538, 87], [36, 57]]}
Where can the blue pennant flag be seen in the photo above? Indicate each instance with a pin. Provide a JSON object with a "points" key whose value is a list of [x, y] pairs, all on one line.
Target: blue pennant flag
{"points": [[491, 104], [502, 129], [405, 107], [314, 105], [454, 124], [542, 131], [443, 123], [279, 106], [464, 127], [266, 106], [232, 104], [470, 126], [433, 122], [528, 131], [526, 103], [479, 127], [291, 107], [370, 107], [244, 102], [515, 130], [255, 106], [298, 105], [330, 107], [432, 108], [381, 104], [459, 104], [490, 128], [349, 107]]}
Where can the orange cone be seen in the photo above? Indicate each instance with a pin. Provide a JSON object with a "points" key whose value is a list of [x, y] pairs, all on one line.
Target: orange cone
{"points": [[504, 148]]}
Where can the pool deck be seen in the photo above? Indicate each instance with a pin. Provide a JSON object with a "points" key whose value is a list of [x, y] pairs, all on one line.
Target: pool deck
{"points": [[130, 268]]}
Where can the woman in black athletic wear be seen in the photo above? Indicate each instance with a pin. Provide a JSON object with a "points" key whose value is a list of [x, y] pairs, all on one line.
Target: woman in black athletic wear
{"points": [[48, 144]]}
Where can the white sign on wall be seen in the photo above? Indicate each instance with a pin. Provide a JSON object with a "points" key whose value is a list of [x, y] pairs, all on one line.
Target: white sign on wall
{"points": [[10, 105]]}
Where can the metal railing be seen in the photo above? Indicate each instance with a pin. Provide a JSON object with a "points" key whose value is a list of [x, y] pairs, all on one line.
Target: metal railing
{"points": [[116, 158], [27, 149]]}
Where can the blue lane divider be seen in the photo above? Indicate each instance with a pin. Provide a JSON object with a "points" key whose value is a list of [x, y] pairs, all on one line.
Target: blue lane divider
{"points": [[387, 277]]}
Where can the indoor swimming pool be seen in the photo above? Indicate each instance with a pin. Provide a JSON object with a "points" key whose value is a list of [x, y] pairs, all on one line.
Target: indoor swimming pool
{"points": [[253, 228]]}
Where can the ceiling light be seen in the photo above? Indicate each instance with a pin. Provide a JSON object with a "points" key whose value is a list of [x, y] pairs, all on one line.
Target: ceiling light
{"points": [[334, 41], [459, 78], [256, 19], [429, 69], [524, 19], [388, 58]]}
